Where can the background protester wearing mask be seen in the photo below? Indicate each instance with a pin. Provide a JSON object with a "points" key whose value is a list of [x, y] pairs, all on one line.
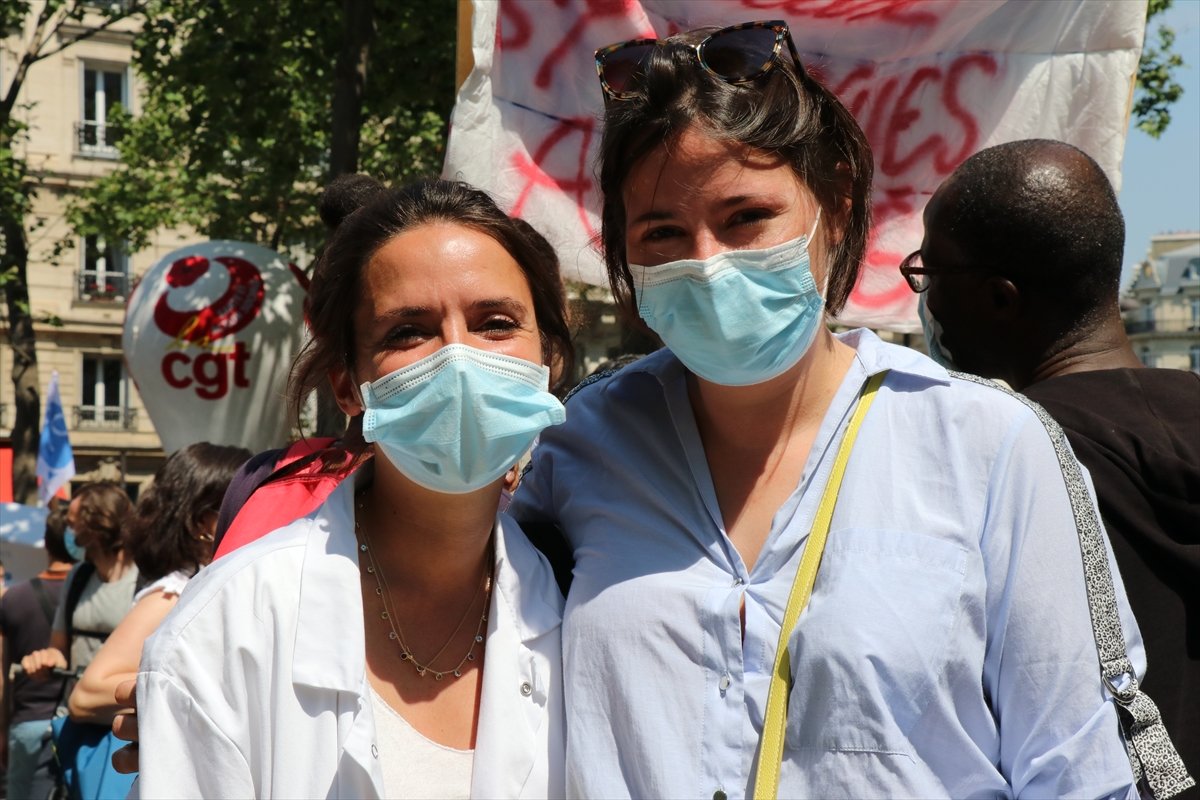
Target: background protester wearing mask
{"points": [[404, 640], [947, 649], [26, 612], [95, 517]]}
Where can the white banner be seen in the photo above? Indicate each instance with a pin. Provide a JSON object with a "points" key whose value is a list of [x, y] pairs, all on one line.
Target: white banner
{"points": [[210, 334], [930, 81]]}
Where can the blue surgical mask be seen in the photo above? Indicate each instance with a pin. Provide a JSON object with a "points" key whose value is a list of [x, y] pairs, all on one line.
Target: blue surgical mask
{"points": [[457, 420], [933, 334], [737, 318], [74, 549]]}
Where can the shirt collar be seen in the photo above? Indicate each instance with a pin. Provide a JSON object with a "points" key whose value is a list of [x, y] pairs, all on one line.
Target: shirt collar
{"points": [[524, 585], [876, 355], [330, 593]]}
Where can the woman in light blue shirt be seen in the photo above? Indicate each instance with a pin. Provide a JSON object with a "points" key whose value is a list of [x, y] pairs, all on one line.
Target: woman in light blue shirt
{"points": [[947, 650]]}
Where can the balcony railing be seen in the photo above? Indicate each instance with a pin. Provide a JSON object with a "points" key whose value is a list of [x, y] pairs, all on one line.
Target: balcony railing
{"points": [[95, 139], [1161, 326], [105, 418], [96, 285]]}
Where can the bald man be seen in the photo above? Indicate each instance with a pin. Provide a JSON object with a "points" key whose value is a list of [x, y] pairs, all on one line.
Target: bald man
{"points": [[1019, 273]]}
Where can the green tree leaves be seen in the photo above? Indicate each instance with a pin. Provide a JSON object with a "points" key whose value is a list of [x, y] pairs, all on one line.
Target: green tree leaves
{"points": [[232, 134], [1157, 88]]}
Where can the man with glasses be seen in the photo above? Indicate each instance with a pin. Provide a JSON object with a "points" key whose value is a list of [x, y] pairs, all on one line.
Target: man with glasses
{"points": [[1019, 276]]}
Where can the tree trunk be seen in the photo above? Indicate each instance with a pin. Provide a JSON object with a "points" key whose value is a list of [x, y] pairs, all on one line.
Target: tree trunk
{"points": [[26, 428], [349, 83]]}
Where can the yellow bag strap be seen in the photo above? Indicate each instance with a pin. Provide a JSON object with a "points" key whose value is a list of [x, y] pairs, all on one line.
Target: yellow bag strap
{"points": [[770, 752]]}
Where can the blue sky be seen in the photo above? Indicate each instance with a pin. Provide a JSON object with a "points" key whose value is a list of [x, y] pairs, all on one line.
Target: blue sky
{"points": [[1160, 189]]}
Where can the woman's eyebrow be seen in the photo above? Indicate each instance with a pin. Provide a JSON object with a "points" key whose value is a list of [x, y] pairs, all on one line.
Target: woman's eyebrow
{"points": [[509, 304], [653, 215]]}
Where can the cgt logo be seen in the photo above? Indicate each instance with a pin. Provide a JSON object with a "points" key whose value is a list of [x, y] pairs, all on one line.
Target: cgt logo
{"points": [[228, 314], [210, 371], [213, 372]]}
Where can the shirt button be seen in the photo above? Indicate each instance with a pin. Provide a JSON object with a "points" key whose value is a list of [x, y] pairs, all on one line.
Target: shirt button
{"points": [[526, 689], [374, 751], [725, 681], [719, 795], [738, 581]]}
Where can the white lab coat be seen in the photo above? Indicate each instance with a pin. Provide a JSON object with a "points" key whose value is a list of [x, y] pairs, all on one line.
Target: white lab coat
{"points": [[255, 685]]}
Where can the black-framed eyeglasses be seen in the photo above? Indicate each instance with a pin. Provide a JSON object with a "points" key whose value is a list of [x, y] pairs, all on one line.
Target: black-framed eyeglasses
{"points": [[736, 54], [917, 274]]}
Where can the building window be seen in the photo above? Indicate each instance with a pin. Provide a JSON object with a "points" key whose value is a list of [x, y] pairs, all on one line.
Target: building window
{"points": [[1147, 357], [1192, 271], [1195, 326], [105, 270], [1194, 358], [104, 88], [103, 394]]}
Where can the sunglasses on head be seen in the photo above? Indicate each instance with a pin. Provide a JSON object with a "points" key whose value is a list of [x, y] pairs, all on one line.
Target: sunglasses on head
{"points": [[735, 54]]}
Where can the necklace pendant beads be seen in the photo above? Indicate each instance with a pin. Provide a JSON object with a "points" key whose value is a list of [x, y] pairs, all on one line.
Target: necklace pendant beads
{"points": [[395, 633]]}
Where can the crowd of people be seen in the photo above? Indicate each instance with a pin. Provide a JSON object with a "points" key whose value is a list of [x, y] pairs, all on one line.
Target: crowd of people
{"points": [[763, 560]]}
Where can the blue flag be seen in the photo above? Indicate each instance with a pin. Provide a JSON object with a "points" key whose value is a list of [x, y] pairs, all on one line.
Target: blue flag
{"points": [[56, 461]]}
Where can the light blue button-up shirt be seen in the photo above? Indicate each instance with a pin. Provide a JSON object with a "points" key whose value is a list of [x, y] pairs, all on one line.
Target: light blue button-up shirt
{"points": [[947, 650]]}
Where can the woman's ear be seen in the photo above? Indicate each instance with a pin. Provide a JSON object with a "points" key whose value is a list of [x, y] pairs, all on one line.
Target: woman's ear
{"points": [[345, 391]]}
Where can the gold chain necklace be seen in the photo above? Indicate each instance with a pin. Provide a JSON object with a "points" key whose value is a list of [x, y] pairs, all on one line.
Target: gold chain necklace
{"points": [[397, 635]]}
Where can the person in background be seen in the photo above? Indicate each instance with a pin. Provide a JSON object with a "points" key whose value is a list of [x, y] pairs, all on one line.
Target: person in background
{"points": [[169, 537], [26, 705], [106, 576], [1019, 275], [948, 649]]}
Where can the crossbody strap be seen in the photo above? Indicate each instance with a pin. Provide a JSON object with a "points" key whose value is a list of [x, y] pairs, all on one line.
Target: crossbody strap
{"points": [[1151, 753], [74, 592], [770, 753]]}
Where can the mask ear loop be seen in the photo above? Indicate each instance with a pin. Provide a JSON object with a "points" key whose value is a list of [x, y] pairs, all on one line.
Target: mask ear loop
{"points": [[360, 391], [808, 241]]}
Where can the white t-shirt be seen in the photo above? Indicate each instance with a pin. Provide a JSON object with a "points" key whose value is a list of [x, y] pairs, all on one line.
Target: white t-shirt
{"points": [[171, 585], [413, 765]]}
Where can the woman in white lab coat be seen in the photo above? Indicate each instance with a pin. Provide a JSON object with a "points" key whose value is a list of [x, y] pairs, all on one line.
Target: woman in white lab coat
{"points": [[383, 645]]}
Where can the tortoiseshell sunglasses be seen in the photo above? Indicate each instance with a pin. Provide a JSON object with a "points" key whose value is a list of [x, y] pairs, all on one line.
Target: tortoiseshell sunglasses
{"points": [[735, 54]]}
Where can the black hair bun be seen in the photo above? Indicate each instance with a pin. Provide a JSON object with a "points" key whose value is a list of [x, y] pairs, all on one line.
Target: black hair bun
{"points": [[346, 194]]}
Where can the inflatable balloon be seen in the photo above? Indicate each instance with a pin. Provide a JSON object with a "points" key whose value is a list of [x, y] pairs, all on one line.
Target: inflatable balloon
{"points": [[210, 334]]}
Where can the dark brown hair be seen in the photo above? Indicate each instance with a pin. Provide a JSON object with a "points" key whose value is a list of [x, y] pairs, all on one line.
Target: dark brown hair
{"points": [[785, 112], [363, 215], [54, 537], [166, 531], [103, 511]]}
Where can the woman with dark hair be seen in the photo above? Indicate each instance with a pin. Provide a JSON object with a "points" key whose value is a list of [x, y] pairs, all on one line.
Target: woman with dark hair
{"points": [[169, 536], [384, 645], [947, 649], [97, 593]]}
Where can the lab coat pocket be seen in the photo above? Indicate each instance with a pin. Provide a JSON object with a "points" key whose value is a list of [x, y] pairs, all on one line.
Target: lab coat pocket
{"points": [[869, 651]]}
